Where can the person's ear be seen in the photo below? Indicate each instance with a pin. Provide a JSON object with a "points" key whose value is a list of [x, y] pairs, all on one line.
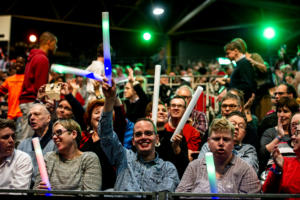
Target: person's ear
{"points": [[133, 142], [74, 134]]}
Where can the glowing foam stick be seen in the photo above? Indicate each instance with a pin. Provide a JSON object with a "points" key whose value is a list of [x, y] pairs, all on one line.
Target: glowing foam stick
{"points": [[106, 46], [211, 172], [188, 111], [156, 93], [72, 70], [41, 162]]}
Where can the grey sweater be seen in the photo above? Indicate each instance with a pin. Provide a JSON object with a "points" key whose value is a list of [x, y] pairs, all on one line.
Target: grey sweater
{"points": [[82, 173]]}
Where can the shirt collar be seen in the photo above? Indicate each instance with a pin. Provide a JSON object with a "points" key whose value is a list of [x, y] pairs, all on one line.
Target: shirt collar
{"points": [[9, 158], [154, 161], [240, 58]]}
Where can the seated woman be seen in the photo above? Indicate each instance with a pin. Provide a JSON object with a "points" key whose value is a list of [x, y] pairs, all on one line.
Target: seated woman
{"points": [[91, 141], [69, 168], [67, 107], [286, 107]]}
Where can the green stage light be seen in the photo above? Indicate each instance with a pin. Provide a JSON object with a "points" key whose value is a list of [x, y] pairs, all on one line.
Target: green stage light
{"points": [[146, 36], [269, 33]]}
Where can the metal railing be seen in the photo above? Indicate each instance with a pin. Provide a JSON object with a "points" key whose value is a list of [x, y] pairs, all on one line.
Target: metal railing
{"points": [[59, 194]]}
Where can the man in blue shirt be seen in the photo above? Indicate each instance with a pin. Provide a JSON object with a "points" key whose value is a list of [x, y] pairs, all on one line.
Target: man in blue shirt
{"points": [[140, 171]]}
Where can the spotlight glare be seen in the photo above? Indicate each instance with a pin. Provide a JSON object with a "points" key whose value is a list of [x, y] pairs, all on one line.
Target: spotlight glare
{"points": [[147, 36], [32, 38], [158, 11], [269, 33]]}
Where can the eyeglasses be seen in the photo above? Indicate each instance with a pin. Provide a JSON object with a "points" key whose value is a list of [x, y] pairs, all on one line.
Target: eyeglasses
{"points": [[296, 133], [177, 105], [294, 124], [279, 93], [58, 132], [228, 105], [240, 125], [186, 97], [146, 133]]}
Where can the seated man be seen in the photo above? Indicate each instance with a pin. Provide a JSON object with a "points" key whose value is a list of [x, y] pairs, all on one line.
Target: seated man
{"points": [[245, 151], [40, 122], [232, 173], [192, 136], [141, 171], [15, 165]]}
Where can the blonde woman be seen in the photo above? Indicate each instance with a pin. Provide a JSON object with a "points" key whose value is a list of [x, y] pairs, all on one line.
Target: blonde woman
{"points": [[69, 168]]}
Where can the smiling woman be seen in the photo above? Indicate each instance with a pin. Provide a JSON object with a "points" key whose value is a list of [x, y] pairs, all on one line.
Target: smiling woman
{"points": [[69, 162]]}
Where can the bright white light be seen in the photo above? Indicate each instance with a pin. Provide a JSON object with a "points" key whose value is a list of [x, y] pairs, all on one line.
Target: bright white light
{"points": [[158, 11], [32, 38]]}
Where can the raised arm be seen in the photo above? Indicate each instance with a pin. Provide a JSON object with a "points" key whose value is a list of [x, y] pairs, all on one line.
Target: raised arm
{"points": [[110, 143]]}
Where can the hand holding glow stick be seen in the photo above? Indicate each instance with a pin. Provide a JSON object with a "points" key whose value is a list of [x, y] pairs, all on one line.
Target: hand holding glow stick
{"points": [[106, 46], [187, 112], [211, 172], [156, 93], [41, 162]]}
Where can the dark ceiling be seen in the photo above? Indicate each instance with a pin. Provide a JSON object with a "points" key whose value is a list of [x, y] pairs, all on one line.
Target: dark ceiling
{"points": [[77, 23]]}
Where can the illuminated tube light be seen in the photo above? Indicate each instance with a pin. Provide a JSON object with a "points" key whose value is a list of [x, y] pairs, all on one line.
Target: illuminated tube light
{"points": [[106, 46], [41, 163], [211, 173]]}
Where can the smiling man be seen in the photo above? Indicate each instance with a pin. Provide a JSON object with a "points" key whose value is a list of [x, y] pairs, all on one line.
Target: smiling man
{"points": [[141, 171], [15, 165], [232, 173], [40, 122]]}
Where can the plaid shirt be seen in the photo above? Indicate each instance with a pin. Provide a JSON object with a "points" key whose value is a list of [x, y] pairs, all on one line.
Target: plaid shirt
{"points": [[238, 177]]}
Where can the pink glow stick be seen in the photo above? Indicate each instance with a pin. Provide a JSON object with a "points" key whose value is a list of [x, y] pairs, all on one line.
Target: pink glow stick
{"points": [[40, 161]]}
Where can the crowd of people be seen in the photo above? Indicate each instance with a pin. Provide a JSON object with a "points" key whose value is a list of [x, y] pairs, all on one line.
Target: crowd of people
{"points": [[94, 140]]}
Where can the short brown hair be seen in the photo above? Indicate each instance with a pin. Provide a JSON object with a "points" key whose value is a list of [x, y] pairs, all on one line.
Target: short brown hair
{"points": [[221, 124], [7, 123], [88, 113], [233, 45], [70, 125], [46, 36]]}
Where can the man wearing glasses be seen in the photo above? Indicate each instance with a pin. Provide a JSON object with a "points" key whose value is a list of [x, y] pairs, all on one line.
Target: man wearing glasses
{"points": [[140, 171], [191, 135], [270, 120]]}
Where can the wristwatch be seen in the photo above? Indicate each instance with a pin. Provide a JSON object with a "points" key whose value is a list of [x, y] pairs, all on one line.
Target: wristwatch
{"points": [[276, 170]]}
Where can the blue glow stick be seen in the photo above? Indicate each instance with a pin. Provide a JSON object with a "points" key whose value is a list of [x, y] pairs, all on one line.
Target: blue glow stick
{"points": [[211, 172], [72, 70], [106, 46]]}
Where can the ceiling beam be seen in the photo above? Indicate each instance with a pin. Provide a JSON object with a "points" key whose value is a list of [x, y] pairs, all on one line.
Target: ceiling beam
{"points": [[116, 28], [189, 16], [266, 4], [232, 27]]}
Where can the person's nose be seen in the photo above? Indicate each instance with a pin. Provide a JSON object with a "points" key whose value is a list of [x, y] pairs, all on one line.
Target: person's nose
{"points": [[10, 139]]}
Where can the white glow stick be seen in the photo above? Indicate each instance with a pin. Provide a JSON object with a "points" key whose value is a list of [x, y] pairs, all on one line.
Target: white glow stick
{"points": [[72, 70], [187, 112], [40, 161], [156, 93]]}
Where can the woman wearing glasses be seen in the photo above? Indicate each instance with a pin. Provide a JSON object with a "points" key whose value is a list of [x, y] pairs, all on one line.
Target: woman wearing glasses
{"points": [[69, 168]]}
